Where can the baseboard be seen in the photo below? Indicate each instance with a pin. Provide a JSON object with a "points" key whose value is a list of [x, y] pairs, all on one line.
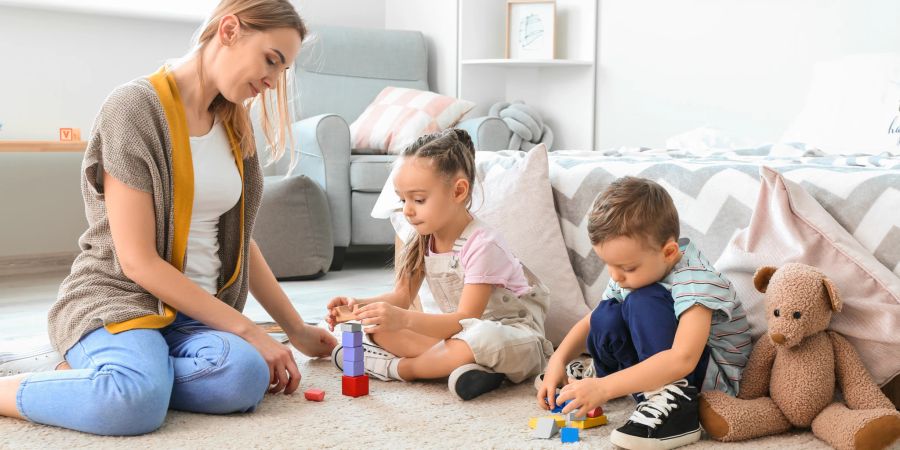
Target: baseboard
{"points": [[36, 264]]}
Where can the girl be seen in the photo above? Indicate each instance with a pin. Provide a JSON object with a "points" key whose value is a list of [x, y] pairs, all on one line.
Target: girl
{"points": [[491, 325], [150, 316]]}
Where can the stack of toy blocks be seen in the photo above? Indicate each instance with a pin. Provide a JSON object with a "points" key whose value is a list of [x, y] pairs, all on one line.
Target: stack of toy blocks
{"points": [[355, 382]]}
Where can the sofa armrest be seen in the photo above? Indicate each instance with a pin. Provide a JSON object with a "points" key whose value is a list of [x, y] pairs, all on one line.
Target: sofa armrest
{"points": [[488, 133], [323, 144]]}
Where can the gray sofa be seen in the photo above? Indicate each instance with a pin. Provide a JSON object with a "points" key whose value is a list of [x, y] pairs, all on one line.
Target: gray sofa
{"points": [[339, 73]]}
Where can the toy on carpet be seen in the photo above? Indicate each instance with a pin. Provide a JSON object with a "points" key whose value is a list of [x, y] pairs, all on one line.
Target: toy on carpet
{"points": [[794, 368], [568, 425], [354, 382], [314, 395]]}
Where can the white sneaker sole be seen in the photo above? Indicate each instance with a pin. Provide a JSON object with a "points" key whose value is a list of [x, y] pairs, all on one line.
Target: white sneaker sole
{"points": [[372, 350], [630, 442]]}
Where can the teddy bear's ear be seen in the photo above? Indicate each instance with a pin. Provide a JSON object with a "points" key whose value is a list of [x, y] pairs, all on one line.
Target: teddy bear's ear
{"points": [[762, 276], [833, 296]]}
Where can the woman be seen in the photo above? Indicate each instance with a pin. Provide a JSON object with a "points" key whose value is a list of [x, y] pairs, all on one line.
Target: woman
{"points": [[150, 316]]}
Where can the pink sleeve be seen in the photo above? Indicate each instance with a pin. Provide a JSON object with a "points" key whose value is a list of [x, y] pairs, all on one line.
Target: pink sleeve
{"points": [[486, 260]]}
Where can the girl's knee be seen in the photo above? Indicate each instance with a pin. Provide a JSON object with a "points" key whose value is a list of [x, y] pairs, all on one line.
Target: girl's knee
{"points": [[244, 380]]}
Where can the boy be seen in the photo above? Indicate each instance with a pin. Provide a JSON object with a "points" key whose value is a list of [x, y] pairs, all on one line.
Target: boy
{"points": [[668, 326]]}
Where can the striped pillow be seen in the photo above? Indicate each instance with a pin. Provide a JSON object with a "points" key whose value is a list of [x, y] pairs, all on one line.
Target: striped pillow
{"points": [[399, 115]]}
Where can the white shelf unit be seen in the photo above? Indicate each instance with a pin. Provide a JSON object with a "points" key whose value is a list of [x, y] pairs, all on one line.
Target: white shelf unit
{"points": [[563, 90]]}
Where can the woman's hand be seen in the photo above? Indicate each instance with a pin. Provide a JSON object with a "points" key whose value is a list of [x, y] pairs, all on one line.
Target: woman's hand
{"points": [[384, 317], [554, 377], [283, 372], [331, 318], [585, 395], [313, 341]]}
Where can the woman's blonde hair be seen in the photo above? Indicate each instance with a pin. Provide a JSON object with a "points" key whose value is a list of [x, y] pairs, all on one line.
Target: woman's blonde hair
{"points": [[450, 152], [256, 15]]}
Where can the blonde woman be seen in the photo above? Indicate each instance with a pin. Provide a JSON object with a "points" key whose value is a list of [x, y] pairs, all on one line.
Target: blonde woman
{"points": [[150, 316]]}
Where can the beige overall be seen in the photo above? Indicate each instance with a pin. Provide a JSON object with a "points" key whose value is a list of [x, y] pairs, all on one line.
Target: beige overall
{"points": [[509, 336]]}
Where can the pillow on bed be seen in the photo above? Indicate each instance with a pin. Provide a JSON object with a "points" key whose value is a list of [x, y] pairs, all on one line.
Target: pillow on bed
{"points": [[788, 225], [518, 203], [852, 106]]}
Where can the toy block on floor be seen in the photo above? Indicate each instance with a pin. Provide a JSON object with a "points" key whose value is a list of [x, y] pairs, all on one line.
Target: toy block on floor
{"points": [[596, 412], [355, 386], [354, 368], [345, 313], [568, 435], [589, 422], [351, 339], [559, 419], [314, 395], [545, 428]]}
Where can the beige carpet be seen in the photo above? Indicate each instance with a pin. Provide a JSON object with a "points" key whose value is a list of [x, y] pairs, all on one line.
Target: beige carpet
{"points": [[394, 415]]}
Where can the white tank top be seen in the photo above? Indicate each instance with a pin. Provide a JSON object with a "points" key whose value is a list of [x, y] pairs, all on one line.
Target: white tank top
{"points": [[217, 189]]}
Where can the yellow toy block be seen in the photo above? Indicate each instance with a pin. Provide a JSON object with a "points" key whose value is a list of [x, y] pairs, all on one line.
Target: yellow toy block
{"points": [[589, 422], [560, 420]]}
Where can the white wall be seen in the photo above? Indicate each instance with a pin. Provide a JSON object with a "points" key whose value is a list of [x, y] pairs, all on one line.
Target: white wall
{"points": [[743, 66], [56, 68], [437, 20]]}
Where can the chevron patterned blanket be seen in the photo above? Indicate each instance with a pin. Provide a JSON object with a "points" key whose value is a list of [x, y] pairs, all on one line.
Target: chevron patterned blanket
{"points": [[716, 193]]}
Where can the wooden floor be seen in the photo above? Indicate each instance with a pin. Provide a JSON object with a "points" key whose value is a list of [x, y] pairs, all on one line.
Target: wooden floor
{"points": [[25, 299]]}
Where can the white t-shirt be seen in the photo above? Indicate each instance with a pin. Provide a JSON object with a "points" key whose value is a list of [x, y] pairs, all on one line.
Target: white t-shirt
{"points": [[217, 189]]}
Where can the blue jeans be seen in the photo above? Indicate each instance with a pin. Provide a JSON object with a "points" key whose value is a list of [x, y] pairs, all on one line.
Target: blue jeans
{"points": [[123, 384], [624, 334]]}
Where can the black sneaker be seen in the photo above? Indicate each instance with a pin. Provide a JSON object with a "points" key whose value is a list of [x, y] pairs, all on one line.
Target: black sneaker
{"points": [[669, 418], [471, 380]]}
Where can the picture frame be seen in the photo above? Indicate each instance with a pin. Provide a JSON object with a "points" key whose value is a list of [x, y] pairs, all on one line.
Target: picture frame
{"points": [[531, 29]]}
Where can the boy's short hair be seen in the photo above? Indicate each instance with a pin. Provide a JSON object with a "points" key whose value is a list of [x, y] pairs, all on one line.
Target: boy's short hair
{"points": [[637, 208]]}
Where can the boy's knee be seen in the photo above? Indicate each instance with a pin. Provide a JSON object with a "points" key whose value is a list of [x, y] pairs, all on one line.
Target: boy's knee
{"points": [[607, 319], [648, 302]]}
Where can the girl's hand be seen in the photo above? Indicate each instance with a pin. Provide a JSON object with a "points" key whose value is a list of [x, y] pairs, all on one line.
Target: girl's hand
{"points": [[283, 371], [331, 318], [313, 341], [585, 394], [385, 317], [554, 377]]}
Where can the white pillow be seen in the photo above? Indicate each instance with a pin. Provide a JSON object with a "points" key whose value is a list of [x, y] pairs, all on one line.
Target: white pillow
{"points": [[515, 198], [852, 106]]}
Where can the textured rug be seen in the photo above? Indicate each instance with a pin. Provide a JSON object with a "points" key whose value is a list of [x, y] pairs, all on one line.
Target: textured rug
{"points": [[394, 415]]}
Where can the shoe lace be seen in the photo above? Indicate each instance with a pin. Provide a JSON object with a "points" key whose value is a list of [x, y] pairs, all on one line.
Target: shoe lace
{"points": [[659, 403], [578, 370]]}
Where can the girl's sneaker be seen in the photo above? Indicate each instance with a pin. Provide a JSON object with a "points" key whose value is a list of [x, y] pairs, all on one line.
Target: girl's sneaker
{"points": [[42, 358], [577, 369], [471, 380], [376, 360], [669, 418]]}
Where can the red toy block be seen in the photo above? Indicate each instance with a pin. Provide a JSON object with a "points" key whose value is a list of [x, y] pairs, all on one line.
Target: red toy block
{"points": [[316, 395], [355, 386], [596, 412]]}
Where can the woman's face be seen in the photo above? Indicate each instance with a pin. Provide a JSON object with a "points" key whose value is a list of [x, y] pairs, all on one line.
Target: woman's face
{"points": [[249, 62]]}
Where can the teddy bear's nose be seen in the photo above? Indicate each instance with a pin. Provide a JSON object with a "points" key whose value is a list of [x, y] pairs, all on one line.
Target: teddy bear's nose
{"points": [[778, 338]]}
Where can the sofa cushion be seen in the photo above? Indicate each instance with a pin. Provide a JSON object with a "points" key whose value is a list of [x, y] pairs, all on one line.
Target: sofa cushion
{"points": [[789, 225], [369, 172]]}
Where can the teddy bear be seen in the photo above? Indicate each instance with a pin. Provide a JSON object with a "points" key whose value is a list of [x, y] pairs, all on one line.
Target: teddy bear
{"points": [[793, 370]]}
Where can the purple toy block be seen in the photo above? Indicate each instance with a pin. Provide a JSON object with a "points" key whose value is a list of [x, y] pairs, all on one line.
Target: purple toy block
{"points": [[353, 354], [351, 339], [354, 368]]}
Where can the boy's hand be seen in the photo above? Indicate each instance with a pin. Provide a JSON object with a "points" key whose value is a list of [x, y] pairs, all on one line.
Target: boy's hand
{"points": [[554, 377], [331, 318], [384, 317], [585, 395]]}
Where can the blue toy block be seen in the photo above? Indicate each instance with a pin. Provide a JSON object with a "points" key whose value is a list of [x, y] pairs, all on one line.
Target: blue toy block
{"points": [[353, 354], [559, 407], [351, 339], [568, 435], [354, 368]]}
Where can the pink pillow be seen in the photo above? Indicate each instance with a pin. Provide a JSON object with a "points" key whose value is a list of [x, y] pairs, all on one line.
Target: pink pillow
{"points": [[788, 225], [399, 115]]}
